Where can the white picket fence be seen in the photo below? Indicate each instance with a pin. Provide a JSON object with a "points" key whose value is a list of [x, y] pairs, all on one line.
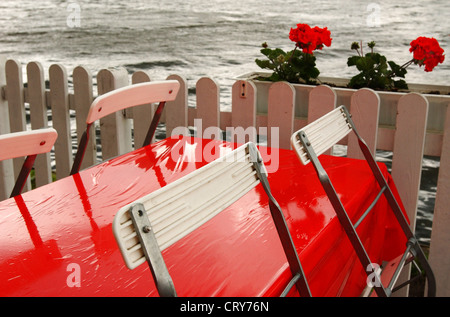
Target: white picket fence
{"points": [[118, 132]]}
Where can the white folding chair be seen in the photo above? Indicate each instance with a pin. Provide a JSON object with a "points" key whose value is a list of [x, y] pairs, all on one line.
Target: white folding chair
{"points": [[150, 224], [312, 141], [28, 144], [126, 97]]}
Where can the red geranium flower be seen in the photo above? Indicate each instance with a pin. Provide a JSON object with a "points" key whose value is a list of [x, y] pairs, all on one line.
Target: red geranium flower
{"points": [[310, 39], [323, 37], [426, 51]]}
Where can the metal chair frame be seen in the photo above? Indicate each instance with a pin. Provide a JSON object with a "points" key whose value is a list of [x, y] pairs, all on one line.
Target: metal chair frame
{"points": [[317, 137]]}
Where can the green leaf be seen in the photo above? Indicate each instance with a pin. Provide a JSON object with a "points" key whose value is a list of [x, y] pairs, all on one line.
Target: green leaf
{"points": [[266, 51], [275, 77], [397, 70], [357, 81], [400, 84], [376, 57], [264, 64], [275, 53], [351, 61], [365, 64]]}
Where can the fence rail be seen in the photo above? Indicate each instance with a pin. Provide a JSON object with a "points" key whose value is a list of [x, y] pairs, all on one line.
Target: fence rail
{"points": [[30, 105]]}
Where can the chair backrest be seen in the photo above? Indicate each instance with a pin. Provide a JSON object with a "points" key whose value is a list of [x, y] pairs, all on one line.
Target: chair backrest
{"points": [[18, 144], [130, 96], [317, 137], [126, 97], [179, 208], [322, 133], [29, 144]]}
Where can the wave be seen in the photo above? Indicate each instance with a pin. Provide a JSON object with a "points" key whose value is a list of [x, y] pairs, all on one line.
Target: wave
{"points": [[152, 64], [27, 33]]}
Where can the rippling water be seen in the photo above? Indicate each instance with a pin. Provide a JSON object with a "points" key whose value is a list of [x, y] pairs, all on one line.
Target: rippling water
{"points": [[219, 39], [215, 38]]}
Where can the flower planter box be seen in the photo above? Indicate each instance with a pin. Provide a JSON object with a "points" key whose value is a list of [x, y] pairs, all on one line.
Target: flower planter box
{"points": [[438, 98]]}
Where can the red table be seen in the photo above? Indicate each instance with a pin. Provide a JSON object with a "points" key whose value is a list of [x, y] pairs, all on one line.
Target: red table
{"points": [[57, 240]]}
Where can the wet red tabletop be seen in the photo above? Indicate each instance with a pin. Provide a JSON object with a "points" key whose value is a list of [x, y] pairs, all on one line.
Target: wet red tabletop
{"points": [[57, 240]]}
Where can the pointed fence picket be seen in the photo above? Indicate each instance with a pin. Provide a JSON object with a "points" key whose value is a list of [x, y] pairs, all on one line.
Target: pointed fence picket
{"points": [[66, 104]]}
